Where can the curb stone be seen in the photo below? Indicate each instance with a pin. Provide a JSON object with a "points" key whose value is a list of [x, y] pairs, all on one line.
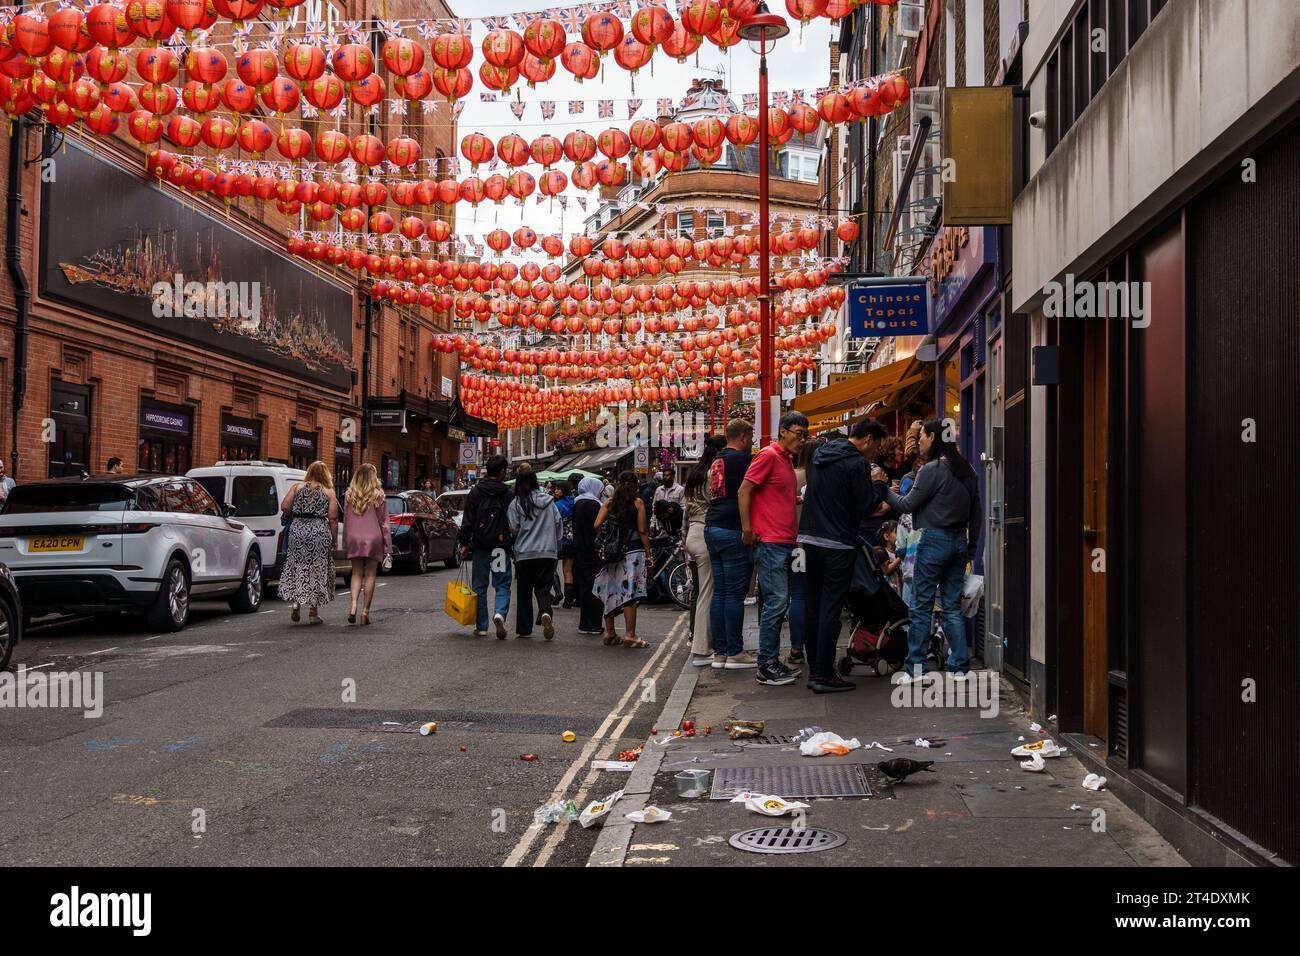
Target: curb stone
{"points": [[611, 845]]}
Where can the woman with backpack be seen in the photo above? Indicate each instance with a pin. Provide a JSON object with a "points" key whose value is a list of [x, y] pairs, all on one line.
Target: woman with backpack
{"points": [[944, 503], [586, 565], [622, 543], [563, 492], [535, 526]]}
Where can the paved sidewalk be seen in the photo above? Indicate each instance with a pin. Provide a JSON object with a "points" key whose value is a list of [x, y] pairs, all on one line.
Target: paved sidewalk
{"points": [[978, 807]]}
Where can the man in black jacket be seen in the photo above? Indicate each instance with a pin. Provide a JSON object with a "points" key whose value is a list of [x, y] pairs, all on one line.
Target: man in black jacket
{"points": [[485, 535], [841, 492]]}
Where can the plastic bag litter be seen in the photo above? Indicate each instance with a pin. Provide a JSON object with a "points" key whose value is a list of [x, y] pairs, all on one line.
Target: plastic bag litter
{"points": [[827, 743], [667, 741], [1035, 764], [1094, 782], [804, 734], [555, 812], [649, 815], [921, 742], [972, 592], [1044, 748], [767, 804], [598, 808], [878, 745]]}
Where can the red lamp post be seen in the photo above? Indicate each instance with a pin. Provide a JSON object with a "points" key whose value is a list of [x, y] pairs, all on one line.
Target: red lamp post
{"points": [[762, 30]]}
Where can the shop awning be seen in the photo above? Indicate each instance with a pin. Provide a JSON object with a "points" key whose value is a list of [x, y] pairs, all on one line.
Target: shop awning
{"points": [[861, 390], [592, 460]]}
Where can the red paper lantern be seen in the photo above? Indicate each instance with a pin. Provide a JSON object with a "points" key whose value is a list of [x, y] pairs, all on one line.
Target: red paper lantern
{"points": [[238, 96], [536, 70], [189, 15], [66, 29], [257, 68], [158, 98], [580, 60], [333, 146], [644, 134], [401, 56], [676, 137], [352, 62], [293, 143], [144, 127], [452, 51], [324, 92], [742, 129], [544, 38], [503, 49], [863, 101], [206, 64], [512, 148], [255, 137], [281, 95], [476, 148], [452, 84], [107, 25], [613, 143], [579, 146], [652, 26], [107, 66], [498, 77], [631, 54], [149, 21], [184, 131], [521, 185], [611, 173], [304, 62], [218, 132], [403, 152], [803, 119], [414, 87], [546, 150], [239, 11], [369, 91], [584, 175], [602, 32], [701, 17], [834, 108], [682, 43]]}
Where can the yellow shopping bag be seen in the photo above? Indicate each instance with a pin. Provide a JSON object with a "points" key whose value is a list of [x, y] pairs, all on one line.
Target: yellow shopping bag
{"points": [[461, 604]]}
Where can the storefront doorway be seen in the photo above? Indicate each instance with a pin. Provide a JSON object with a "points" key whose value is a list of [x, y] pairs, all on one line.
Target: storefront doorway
{"points": [[70, 411], [166, 436]]}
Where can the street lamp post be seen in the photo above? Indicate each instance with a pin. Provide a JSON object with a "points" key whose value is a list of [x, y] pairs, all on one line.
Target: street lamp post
{"points": [[762, 30]]}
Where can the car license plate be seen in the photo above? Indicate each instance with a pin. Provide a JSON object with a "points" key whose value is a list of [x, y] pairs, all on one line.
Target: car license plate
{"points": [[56, 542]]}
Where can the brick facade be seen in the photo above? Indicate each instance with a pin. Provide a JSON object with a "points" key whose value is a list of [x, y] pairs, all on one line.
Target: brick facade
{"points": [[124, 365]]}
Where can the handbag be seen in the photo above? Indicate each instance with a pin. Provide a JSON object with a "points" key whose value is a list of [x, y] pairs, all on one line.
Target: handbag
{"points": [[611, 542], [461, 603]]}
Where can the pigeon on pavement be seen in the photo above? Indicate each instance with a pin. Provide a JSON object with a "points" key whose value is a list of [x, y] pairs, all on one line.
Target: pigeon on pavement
{"points": [[900, 768]]}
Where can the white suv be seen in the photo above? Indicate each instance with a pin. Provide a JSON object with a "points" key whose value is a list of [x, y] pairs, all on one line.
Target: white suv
{"points": [[118, 543]]}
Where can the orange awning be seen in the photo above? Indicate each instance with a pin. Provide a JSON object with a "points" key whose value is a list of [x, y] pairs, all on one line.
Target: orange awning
{"points": [[860, 391]]}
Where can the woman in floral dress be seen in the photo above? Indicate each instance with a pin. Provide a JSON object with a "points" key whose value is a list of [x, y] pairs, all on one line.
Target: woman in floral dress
{"points": [[308, 573], [622, 585]]}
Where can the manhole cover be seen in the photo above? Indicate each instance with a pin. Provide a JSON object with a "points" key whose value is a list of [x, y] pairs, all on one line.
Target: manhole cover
{"points": [[842, 780], [787, 840]]}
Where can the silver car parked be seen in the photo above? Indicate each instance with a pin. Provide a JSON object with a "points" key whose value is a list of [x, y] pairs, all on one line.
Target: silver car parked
{"points": [[127, 543]]}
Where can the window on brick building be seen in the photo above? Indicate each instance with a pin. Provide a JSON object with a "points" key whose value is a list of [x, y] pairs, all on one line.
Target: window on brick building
{"points": [[686, 224], [717, 225]]}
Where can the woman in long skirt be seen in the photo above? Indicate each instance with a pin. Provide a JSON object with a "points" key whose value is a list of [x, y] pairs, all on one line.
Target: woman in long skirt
{"points": [[366, 535], [622, 585], [308, 573]]}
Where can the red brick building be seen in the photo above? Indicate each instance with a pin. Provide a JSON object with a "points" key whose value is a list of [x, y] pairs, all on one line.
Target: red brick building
{"points": [[85, 383]]}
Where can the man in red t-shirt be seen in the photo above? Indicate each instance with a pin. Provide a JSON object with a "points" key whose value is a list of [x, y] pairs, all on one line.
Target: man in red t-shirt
{"points": [[769, 523]]}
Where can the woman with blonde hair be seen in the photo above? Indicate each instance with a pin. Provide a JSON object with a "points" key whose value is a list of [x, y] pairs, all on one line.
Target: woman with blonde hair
{"points": [[366, 535], [308, 573]]}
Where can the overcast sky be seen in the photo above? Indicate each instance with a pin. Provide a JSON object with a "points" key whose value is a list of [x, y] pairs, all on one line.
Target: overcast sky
{"points": [[798, 63]]}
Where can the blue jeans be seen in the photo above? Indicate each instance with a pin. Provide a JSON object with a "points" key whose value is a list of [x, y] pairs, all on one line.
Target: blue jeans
{"points": [[940, 566], [796, 610], [732, 564], [500, 583], [774, 585]]}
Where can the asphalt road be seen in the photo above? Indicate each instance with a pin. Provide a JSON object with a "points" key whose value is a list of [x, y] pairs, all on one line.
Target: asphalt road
{"points": [[232, 742]]}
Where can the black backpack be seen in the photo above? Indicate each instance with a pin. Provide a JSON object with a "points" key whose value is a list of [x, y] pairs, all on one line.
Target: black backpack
{"points": [[491, 526], [611, 542]]}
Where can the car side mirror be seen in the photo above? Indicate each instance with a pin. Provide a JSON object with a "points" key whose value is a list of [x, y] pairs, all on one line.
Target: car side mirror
{"points": [[228, 510]]}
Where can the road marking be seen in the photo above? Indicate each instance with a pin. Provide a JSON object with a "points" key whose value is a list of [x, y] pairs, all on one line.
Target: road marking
{"points": [[554, 840], [530, 835]]}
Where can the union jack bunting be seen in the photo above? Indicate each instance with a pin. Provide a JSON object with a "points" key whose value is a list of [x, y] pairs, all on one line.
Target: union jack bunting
{"points": [[540, 199], [352, 30], [564, 201], [458, 109], [518, 109], [275, 33], [493, 165], [622, 8], [392, 28], [749, 101], [664, 105], [632, 107], [494, 23], [581, 201], [572, 19], [606, 109], [576, 107], [487, 97], [397, 107], [548, 109], [315, 33], [778, 100], [427, 29], [430, 106]]}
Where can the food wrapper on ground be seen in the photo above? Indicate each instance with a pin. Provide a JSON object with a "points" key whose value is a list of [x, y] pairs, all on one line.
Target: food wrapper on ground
{"points": [[804, 734], [1035, 764], [827, 743], [598, 808], [745, 729], [1094, 782], [1044, 748], [555, 812], [768, 804], [621, 766], [629, 754], [649, 815]]}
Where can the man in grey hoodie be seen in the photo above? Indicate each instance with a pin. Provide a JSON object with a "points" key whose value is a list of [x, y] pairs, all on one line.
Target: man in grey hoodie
{"points": [[535, 525]]}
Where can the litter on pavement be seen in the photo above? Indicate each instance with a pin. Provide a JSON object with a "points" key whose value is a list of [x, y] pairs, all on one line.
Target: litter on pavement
{"points": [[555, 812], [1034, 764], [622, 766], [1094, 782], [598, 808], [745, 729], [767, 804], [1043, 748], [650, 814], [827, 743]]}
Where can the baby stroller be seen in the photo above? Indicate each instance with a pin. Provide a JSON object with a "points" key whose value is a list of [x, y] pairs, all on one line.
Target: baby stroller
{"points": [[878, 621]]}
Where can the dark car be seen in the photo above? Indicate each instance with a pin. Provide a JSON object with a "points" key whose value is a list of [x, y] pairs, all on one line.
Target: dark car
{"points": [[11, 616], [423, 531]]}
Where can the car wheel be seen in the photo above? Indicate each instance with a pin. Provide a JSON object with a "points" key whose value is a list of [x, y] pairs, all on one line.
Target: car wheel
{"points": [[10, 632], [249, 596], [170, 611], [420, 549]]}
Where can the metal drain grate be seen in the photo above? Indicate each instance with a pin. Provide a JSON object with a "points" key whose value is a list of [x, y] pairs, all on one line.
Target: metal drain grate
{"points": [[787, 840], [771, 740], [843, 780]]}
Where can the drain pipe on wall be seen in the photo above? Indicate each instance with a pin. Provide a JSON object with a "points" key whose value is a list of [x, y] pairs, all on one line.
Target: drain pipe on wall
{"points": [[14, 260]]}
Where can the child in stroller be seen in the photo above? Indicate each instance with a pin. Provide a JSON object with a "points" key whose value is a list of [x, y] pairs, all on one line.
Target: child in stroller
{"points": [[878, 621]]}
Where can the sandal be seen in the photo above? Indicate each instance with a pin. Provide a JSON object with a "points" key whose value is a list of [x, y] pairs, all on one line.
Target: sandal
{"points": [[635, 644], [611, 640]]}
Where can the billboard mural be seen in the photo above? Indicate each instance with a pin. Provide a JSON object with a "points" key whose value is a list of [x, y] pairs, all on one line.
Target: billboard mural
{"points": [[116, 244]]}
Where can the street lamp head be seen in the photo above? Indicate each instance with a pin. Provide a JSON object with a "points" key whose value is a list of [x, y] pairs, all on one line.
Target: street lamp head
{"points": [[763, 29]]}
